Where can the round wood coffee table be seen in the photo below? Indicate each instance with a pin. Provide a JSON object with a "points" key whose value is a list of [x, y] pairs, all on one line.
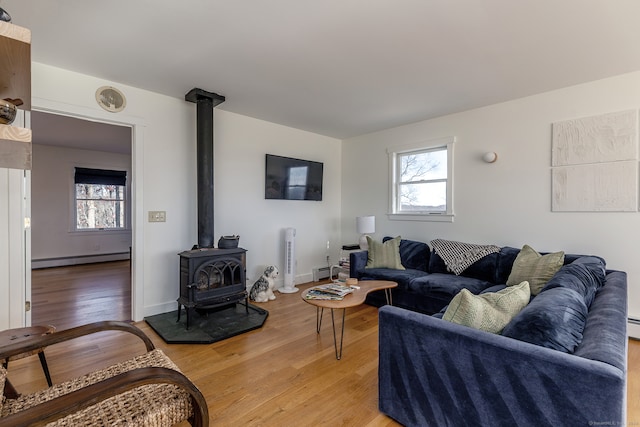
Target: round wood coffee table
{"points": [[353, 299]]}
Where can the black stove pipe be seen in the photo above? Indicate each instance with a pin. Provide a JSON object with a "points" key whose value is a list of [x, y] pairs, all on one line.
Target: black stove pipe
{"points": [[205, 102]]}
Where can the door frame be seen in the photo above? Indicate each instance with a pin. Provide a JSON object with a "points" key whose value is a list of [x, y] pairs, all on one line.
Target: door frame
{"points": [[137, 171]]}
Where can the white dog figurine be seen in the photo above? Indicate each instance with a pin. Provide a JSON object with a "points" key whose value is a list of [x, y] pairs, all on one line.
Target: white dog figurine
{"points": [[262, 290]]}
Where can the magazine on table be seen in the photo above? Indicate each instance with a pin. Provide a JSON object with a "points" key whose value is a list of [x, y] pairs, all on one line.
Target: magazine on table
{"points": [[334, 288], [330, 291], [320, 295]]}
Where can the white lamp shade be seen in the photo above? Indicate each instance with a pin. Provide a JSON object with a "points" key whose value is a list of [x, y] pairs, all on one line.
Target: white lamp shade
{"points": [[366, 224]]}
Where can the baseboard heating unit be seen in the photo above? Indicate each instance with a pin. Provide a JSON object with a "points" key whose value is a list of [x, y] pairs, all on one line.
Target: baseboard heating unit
{"points": [[78, 259], [633, 328], [320, 273]]}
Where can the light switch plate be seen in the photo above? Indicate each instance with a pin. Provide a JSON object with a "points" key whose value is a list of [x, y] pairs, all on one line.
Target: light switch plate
{"points": [[157, 216]]}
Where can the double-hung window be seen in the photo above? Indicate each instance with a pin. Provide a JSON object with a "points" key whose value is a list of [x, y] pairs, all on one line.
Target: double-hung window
{"points": [[100, 199], [421, 183]]}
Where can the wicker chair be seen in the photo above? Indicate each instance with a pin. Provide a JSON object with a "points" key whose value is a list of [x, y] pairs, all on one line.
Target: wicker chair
{"points": [[147, 390]]}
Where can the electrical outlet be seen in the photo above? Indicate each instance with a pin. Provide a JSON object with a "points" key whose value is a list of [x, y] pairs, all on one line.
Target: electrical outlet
{"points": [[157, 216]]}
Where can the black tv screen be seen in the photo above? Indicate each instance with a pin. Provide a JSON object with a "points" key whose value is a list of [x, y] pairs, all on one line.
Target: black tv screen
{"points": [[292, 179]]}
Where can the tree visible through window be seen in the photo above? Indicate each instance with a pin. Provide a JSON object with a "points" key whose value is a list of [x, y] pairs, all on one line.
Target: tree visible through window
{"points": [[420, 179], [422, 183], [100, 197]]}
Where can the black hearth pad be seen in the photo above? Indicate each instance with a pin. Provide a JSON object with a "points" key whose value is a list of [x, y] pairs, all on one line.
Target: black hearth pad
{"points": [[207, 328]]}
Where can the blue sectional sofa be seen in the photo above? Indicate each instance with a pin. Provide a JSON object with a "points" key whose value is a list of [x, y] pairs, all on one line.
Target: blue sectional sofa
{"points": [[426, 285], [560, 361]]}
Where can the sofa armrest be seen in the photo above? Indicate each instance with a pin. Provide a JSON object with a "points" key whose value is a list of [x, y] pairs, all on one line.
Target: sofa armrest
{"points": [[357, 262], [434, 372]]}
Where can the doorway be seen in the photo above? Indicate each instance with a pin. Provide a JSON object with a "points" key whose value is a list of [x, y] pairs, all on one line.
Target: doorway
{"points": [[73, 256]]}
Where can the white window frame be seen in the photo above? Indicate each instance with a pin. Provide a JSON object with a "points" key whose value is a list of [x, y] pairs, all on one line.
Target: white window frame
{"points": [[393, 154], [123, 200], [73, 226]]}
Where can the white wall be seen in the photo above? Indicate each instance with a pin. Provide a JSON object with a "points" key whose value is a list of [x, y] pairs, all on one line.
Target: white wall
{"points": [[52, 215], [508, 202], [164, 149], [14, 279], [240, 206]]}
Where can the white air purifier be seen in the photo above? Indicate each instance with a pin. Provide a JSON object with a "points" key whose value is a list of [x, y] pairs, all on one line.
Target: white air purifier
{"points": [[289, 262]]}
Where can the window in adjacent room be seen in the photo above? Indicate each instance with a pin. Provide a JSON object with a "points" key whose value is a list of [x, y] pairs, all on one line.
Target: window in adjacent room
{"points": [[421, 181], [100, 199]]}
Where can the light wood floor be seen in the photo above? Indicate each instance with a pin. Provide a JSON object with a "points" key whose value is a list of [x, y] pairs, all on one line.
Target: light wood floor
{"points": [[282, 374]]}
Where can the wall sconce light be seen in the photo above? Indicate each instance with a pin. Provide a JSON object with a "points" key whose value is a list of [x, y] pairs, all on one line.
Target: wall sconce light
{"points": [[490, 157], [365, 225]]}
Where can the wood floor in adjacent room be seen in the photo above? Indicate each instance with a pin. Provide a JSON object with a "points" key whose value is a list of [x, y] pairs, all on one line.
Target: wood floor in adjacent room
{"points": [[72, 296], [283, 374]]}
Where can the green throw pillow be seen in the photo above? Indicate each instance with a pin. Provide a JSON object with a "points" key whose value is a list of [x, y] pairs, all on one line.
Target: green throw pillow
{"points": [[535, 268], [489, 312], [384, 255]]}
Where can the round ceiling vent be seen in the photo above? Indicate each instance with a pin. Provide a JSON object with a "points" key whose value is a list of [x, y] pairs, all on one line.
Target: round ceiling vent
{"points": [[111, 99]]}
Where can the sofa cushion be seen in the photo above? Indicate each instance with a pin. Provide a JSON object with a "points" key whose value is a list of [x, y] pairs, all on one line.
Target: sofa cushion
{"points": [[490, 311], [384, 255], [585, 275], [554, 319], [535, 268], [413, 254], [505, 262], [402, 277], [483, 269], [604, 337], [445, 284]]}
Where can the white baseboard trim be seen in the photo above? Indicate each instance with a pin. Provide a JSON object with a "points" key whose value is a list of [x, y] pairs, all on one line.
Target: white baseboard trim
{"points": [[161, 308], [173, 305], [77, 260], [279, 282], [300, 279], [304, 278]]}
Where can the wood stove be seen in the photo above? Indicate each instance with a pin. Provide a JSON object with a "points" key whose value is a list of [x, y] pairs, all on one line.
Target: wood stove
{"points": [[209, 277]]}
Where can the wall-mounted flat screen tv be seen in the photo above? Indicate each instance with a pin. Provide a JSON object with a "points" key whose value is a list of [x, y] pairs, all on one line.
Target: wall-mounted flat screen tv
{"points": [[292, 179]]}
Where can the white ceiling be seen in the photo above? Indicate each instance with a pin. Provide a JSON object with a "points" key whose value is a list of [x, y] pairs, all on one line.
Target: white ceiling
{"points": [[339, 67]]}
